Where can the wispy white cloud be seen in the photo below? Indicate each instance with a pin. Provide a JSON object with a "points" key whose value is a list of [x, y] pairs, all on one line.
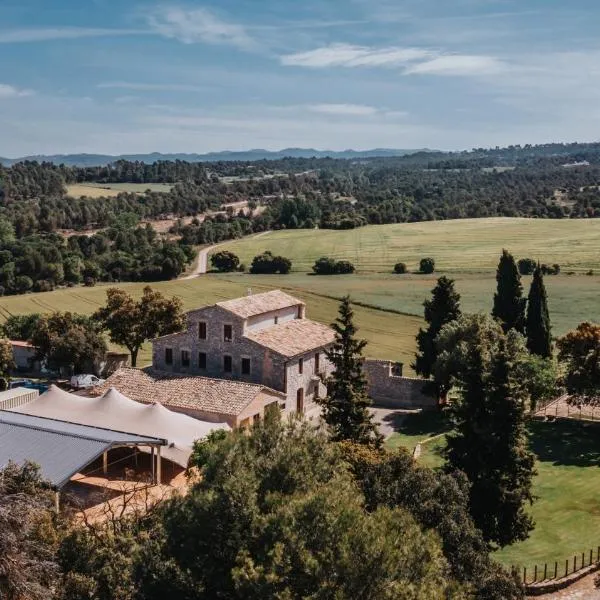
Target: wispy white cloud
{"points": [[15, 36], [151, 87], [10, 91], [198, 25], [347, 55], [356, 110], [458, 65]]}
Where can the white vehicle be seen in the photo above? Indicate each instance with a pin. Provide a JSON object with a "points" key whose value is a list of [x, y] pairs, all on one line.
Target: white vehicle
{"points": [[85, 381]]}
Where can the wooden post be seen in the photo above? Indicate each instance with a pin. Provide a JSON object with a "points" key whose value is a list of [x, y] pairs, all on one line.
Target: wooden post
{"points": [[105, 462], [555, 569], [152, 461], [535, 574], [566, 567], [575, 564], [525, 575], [545, 571], [591, 556], [158, 466], [582, 560]]}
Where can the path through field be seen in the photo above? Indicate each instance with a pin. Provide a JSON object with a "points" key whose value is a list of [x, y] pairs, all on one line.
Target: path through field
{"points": [[201, 265]]}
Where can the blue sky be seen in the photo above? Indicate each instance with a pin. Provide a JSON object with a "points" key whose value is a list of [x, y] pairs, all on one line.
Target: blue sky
{"points": [[117, 76]]}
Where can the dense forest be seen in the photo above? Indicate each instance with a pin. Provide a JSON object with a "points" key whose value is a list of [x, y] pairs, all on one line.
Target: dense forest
{"points": [[549, 181]]}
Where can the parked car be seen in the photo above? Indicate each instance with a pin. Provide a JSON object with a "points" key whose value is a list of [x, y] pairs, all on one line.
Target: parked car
{"points": [[85, 381]]}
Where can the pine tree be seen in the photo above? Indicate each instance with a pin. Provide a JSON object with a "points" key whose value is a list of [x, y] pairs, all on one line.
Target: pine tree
{"points": [[443, 308], [509, 305], [346, 407], [490, 446], [539, 340]]}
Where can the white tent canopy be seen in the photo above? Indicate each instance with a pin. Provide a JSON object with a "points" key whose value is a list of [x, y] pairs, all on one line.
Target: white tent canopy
{"points": [[115, 411]]}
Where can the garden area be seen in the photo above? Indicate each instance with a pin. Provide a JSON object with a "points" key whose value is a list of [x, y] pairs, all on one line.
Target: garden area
{"points": [[567, 507]]}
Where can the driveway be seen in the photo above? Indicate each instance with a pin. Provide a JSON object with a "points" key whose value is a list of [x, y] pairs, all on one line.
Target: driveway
{"points": [[389, 420]]}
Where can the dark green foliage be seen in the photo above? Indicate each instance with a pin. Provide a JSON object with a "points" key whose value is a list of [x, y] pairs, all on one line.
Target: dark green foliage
{"points": [[427, 265], [400, 268], [489, 443], [70, 341], [579, 350], [261, 523], [439, 502], [509, 304], [443, 308], [346, 406], [539, 338], [267, 263], [527, 266], [330, 266], [550, 269], [225, 261], [20, 327]]}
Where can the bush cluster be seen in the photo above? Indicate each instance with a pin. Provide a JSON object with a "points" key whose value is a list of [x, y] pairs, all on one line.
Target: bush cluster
{"points": [[330, 266], [267, 264]]}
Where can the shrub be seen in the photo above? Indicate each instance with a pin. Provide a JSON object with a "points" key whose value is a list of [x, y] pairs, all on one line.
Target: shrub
{"points": [[266, 263], [400, 268], [225, 261], [550, 269], [427, 265], [329, 266], [527, 266]]}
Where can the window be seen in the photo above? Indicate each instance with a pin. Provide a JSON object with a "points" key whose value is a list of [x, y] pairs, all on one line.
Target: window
{"points": [[300, 401], [245, 366], [317, 361], [202, 330], [185, 358], [256, 418], [301, 366], [276, 320], [202, 360], [227, 333], [168, 356], [227, 364]]}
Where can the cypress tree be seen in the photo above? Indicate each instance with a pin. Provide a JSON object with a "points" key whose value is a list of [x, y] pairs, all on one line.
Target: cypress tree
{"points": [[539, 340], [443, 307], [509, 305], [346, 407], [490, 446]]}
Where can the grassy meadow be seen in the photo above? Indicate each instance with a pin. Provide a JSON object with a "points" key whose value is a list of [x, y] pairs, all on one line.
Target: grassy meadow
{"points": [[99, 190], [567, 508]]}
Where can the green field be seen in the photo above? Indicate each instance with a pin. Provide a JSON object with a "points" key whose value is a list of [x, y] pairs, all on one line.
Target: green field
{"points": [[567, 509], [465, 246], [98, 190], [389, 335]]}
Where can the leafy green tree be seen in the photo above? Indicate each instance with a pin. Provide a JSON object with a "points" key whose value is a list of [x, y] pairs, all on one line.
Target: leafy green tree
{"points": [[67, 340], [225, 261], [20, 327], [509, 305], [346, 406], [267, 263], [427, 265], [261, 523], [527, 266], [438, 501], [539, 339], [131, 323], [443, 308], [489, 443], [579, 350], [400, 268], [7, 359]]}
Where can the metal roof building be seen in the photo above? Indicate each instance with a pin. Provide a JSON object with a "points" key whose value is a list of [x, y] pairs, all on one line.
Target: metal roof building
{"points": [[60, 448]]}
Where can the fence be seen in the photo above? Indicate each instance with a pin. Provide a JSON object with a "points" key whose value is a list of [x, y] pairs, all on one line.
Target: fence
{"points": [[562, 408], [558, 570]]}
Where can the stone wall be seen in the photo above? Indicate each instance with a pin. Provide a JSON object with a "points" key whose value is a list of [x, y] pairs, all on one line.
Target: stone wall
{"points": [[389, 389]]}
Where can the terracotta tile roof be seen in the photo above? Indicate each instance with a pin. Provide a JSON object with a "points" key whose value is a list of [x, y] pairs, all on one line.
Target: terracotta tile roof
{"points": [[293, 337], [257, 304], [183, 391]]}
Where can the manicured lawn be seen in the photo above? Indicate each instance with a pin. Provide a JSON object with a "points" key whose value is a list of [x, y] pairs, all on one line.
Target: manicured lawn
{"points": [[388, 335], [567, 487]]}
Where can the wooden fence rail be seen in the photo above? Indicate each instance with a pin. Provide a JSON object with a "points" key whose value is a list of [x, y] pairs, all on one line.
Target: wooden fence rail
{"points": [[551, 571]]}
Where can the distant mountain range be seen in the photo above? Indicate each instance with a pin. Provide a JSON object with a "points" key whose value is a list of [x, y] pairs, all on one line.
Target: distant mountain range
{"points": [[92, 160]]}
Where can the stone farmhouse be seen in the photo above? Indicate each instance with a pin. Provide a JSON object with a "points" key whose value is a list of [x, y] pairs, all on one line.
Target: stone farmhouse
{"points": [[262, 339]]}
